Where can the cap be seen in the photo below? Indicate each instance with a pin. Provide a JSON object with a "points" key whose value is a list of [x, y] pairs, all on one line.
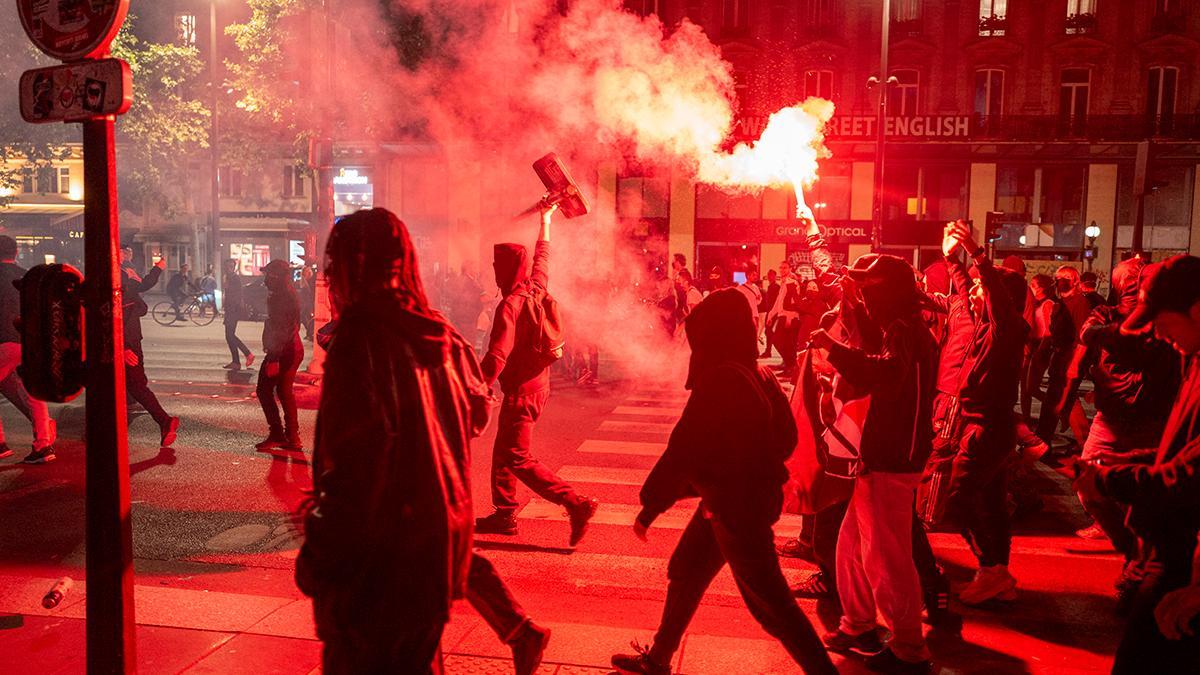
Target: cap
{"points": [[8, 246], [1172, 285], [884, 268], [276, 267]]}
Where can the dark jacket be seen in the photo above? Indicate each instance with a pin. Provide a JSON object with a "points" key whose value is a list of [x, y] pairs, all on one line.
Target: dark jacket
{"points": [[898, 432], [1165, 497], [133, 306], [1136, 376], [770, 295], [991, 372], [10, 301], [178, 286], [954, 341], [511, 353], [281, 330], [736, 431], [388, 535], [234, 297]]}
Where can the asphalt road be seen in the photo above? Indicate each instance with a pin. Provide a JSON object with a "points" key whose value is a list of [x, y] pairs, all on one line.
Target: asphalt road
{"points": [[213, 515]]}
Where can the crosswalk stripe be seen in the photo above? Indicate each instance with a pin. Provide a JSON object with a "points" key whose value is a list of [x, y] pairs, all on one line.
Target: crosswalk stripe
{"points": [[637, 427], [638, 448], [602, 474], [646, 410], [675, 518]]}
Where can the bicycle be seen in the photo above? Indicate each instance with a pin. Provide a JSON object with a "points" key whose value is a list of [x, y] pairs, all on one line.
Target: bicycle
{"points": [[198, 310]]}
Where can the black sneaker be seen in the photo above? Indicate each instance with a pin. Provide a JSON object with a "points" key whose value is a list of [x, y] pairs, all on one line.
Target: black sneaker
{"points": [[866, 644], [815, 588], [43, 456], [886, 661], [639, 662], [273, 441], [497, 523], [292, 443], [794, 548], [5, 451], [169, 431], [529, 647], [937, 607], [581, 514]]}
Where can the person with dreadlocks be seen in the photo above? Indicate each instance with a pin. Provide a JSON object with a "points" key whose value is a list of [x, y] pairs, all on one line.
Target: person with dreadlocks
{"points": [[388, 542]]}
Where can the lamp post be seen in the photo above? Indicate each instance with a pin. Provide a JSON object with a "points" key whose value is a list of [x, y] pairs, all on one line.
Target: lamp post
{"points": [[881, 84], [1092, 232], [214, 219]]}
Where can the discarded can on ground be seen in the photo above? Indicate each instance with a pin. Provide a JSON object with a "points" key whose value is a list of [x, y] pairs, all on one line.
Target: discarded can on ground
{"points": [[57, 592]]}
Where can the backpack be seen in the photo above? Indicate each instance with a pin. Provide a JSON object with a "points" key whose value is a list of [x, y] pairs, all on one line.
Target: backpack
{"points": [[541, 309]]}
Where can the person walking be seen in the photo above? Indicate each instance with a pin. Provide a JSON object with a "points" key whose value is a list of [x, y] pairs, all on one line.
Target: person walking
{"points": [[234, 311], [729, 447], [44, 431], [283, 352], [133, 309], [514, 358], [402, 398]]}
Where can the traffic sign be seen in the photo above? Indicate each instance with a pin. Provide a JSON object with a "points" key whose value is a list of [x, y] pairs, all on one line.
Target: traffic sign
{"points": [[75, 92], [72, 30]]}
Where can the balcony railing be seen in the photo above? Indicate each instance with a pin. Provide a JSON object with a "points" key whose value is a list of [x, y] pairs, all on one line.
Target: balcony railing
{"points": [[993, 26], [907, 28], [1085, 128], [1082, 24]]}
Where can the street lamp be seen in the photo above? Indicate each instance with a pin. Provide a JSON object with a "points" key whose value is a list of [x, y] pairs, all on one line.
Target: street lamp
{"points": [[881, 83], [214, 221], [1092, 232]]}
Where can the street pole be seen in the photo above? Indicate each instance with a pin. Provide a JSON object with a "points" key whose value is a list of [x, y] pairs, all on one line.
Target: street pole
{"points": [[321, 156], [110, 624], [214, 219], [880, 128]]}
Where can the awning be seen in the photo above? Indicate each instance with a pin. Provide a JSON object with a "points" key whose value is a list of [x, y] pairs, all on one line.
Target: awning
{"points": [[263, 224]]}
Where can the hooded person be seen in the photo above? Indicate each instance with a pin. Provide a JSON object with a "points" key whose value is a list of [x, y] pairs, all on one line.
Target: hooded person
{"points": [[134, 307], [1136, 378], [388, 544], [729, 449], [283, 353], [876, 574], [514, 357]]}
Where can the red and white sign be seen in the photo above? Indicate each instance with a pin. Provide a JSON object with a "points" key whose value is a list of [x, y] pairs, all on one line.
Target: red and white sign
{"points": [[76, 91], [72, 30]]}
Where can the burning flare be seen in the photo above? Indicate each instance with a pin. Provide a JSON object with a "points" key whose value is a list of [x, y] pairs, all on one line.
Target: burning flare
{"points": [[786, 152]]}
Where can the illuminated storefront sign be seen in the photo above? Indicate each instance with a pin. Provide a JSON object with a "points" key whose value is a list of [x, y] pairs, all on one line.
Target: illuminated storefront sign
{"points": [[352, 191], [843, 127]]}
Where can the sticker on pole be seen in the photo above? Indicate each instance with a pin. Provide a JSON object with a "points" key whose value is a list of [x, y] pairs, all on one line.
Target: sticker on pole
{"points": [[75, 92], [72, 30]]}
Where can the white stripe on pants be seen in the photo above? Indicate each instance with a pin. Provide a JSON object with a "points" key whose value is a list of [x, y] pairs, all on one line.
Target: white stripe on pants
{"points": [[875, 570]]}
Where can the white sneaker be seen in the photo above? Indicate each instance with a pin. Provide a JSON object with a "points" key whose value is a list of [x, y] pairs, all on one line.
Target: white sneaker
{"points": [[990, 583]]}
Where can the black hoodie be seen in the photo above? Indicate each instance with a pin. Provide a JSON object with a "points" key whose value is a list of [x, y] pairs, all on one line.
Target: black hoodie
{"points": [[511, 353], [736, 431]]}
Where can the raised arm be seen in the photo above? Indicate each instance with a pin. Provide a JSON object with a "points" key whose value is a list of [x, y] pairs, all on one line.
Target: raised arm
{"points": [[540, 273]]}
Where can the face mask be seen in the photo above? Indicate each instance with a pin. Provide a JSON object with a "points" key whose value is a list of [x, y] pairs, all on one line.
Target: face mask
{"points": [[1063, 286]]}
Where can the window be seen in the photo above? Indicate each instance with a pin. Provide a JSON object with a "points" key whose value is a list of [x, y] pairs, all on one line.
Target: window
{"points": [[27, 180], [64, 180], [902, 96], [643, 7], [1160, 97], [185, 29], [989, 92], [47, 180], [1081, 17], [906, 10], [993, 17], [230, 181], [818, 83], [293, 181], [735, 15], [818, 15], [1074, 91], [643, 197]]}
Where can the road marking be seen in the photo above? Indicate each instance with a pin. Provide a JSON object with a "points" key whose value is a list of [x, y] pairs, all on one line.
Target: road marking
{"points": [[637, 448], [603, 474], [637, 427], [675, 518], [646, 410]]}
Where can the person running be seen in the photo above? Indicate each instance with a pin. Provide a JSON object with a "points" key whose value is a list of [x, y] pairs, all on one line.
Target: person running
{"points": [[283, 353], [383, 430], [44, 432], [1164, 497], [729, 447], [986, 395], [133, 309], [514, 358], [234, 310]]}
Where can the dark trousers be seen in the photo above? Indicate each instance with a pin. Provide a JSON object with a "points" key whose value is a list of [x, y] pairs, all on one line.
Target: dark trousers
{"points": [[491, 598], [704, 548], [413, 651], [1143, 647], [281, 385], [1055, 398], [137, 385], [236, 346], [1115, 438], [787, 333], [512, 459], [978, 498]]}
